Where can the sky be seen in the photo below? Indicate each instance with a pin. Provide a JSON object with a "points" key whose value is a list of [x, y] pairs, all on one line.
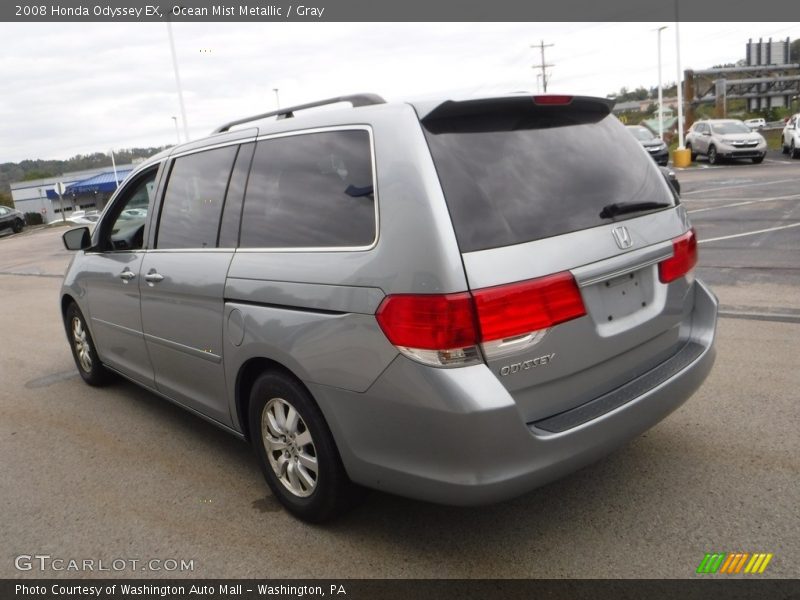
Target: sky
{"points": [[77, 88]]}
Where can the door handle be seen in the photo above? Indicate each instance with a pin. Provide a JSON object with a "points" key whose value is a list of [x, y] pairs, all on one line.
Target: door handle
{"points": [[127, 275], [153, 277]]}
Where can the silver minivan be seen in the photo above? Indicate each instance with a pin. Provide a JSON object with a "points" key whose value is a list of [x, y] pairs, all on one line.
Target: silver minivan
{"points": [[453, 300]]}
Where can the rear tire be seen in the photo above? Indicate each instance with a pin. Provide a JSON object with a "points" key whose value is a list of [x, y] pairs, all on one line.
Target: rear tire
{"points": [[83, 350], [713, 159], [692, 155], [296, 451]]}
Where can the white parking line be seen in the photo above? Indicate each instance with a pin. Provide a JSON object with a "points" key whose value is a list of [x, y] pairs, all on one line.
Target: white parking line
{"points": [[743, 203], [737, 235], [733, 187]]}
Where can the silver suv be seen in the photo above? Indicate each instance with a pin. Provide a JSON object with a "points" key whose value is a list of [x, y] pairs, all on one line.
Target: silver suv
{"points": [[790, 137], [455, 301], [720, 139]]}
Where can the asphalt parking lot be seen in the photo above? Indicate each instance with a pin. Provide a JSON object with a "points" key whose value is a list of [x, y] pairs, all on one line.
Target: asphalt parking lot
{"points": [[117, 473]]}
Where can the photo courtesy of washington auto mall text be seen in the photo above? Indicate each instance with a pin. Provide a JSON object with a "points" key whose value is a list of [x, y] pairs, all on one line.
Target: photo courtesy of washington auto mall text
{"points": [[176, 591]]}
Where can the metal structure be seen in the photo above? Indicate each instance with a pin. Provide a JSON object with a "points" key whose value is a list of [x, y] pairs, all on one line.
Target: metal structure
{"points": [[768, 80]]}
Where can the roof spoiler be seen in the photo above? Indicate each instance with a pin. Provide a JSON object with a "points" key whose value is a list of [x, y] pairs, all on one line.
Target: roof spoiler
{"points": [[467, 108], [513, 112], [355, 101]]}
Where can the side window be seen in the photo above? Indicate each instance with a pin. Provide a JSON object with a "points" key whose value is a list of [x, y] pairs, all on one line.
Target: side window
{"points": [[190, 211], [310, 191], [129, 213]]}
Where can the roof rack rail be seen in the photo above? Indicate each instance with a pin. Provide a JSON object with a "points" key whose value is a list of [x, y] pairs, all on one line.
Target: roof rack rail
{"points": [[355, 100]]}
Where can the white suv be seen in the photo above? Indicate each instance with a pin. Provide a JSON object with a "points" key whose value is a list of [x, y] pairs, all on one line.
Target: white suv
{"points": [[720, 139], [790, 139]]}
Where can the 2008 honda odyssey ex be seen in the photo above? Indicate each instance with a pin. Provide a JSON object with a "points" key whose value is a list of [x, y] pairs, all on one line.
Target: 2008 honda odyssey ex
{"points": [[455, 301]]}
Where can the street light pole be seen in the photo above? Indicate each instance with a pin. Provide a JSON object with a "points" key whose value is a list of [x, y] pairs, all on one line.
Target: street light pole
{"points": [[177, 131], [178, 80], [114, 166], [660, 93], [277, 99], [680, 87]]}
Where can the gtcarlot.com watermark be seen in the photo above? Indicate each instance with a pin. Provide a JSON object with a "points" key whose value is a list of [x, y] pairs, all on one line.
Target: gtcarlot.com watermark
{"points": [[43, 563]]}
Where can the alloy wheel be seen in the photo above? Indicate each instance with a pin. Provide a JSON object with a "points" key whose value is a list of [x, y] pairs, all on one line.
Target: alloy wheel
{"points": [[83, 348], [290, 448]]}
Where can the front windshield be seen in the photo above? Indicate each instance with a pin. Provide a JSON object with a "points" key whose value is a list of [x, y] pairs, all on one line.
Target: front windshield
{"points": [[724, 128], [641, 133]]}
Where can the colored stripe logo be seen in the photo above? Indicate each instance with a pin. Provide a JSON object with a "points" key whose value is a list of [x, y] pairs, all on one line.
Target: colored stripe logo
{"points": [[734, 562]]}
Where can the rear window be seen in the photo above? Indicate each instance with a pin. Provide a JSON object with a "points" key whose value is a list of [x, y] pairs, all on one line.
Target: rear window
{"points": [[518, 173]]}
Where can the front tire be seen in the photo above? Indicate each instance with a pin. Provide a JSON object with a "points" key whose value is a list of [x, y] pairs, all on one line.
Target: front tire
{"points": [[296, 451], [758, 160], [793, 151], [713, 159], [17, 226], [83, 350]]}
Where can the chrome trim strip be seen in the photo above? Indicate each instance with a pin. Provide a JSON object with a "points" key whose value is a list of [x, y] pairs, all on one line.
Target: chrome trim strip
{"points": [[363, 127], [622, 264], [204, 354], [127, 330], [246, 139]]}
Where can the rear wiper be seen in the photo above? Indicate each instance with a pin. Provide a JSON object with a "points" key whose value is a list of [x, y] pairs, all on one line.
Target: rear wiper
{"points": [[620, 208]]}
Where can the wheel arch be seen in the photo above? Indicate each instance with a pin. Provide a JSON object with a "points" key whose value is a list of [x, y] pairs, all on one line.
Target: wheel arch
{"points": [[246, 377]]}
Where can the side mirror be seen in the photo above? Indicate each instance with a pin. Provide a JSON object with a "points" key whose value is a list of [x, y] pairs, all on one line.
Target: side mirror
{"points": [[77, 238]]}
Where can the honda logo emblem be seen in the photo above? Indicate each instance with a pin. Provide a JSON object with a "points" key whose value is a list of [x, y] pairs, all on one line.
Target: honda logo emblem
{"points": [[622, 237]]}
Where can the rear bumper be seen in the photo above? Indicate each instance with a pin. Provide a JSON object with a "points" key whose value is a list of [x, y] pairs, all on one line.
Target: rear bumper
{"points": [[455, 436]]}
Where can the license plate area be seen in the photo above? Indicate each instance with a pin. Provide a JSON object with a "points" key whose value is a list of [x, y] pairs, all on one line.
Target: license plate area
{"points": [[614, 299]]}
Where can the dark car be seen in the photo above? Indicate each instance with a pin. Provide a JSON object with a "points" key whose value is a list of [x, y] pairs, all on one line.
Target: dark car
{"points": [[655, 147], [11, 218], [671, 177]]}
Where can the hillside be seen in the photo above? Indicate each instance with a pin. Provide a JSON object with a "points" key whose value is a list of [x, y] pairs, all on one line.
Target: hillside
{"points": [[27, 170]]}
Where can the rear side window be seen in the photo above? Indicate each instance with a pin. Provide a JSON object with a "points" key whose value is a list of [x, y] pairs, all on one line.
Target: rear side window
{"points": [[516, 173], [311, 190], [190, 212]]}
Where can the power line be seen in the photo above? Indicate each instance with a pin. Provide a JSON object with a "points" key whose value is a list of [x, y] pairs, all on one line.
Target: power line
{"points": [[543, 66]]}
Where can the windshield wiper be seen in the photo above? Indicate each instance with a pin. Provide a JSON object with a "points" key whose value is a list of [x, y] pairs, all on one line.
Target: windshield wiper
{"points": [[620, 208]]}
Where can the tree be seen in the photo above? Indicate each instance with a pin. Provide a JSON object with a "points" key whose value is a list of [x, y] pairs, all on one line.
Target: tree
{"points": [[5, 199]]}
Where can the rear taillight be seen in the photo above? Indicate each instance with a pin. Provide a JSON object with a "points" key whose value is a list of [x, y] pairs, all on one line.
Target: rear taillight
{"points": [[683, 259], [445, 330], [435, 329], [509, 310]]}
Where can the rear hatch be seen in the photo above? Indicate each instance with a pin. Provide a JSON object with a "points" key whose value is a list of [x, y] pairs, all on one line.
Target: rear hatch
{"points": [[577, 253]]}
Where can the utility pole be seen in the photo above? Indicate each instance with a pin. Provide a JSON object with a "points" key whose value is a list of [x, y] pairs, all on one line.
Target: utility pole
{"points": [[541, 45]]}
